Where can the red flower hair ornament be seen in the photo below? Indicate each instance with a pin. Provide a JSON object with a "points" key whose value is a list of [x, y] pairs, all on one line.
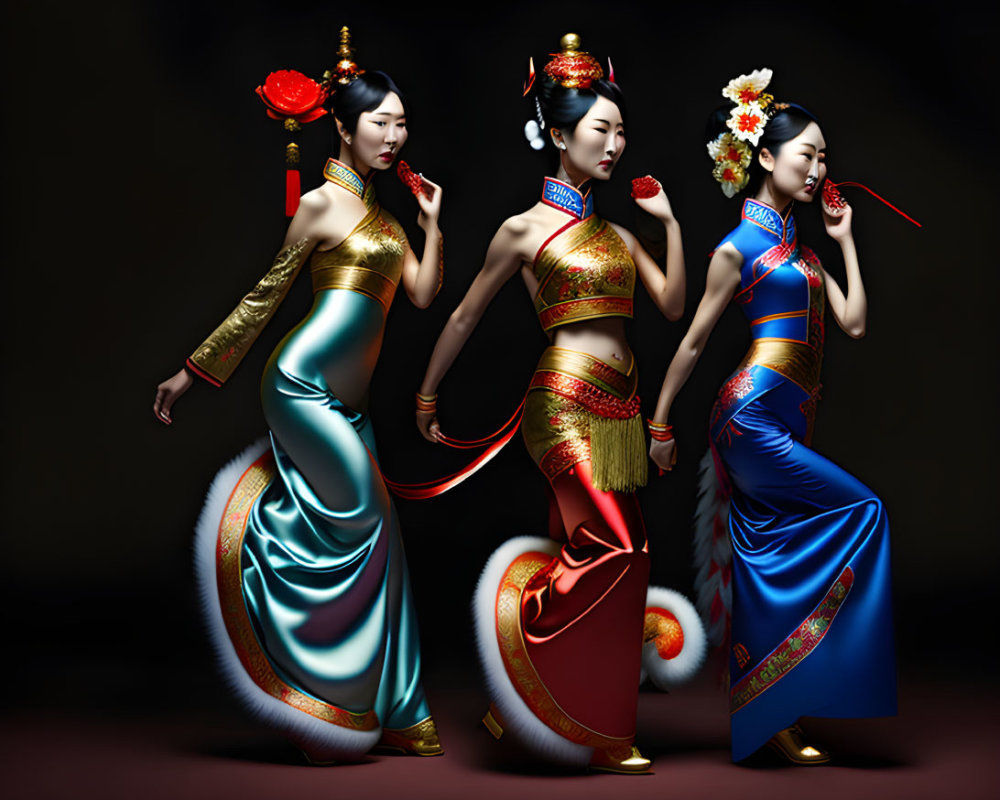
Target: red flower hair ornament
{"points": [[289, 94]]}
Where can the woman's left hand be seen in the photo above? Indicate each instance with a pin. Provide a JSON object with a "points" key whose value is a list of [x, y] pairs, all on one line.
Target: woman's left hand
{"points": [[838, 222], [430, 206], [658, 205]]}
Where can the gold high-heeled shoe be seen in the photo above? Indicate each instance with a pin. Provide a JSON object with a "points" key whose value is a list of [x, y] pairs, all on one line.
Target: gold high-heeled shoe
{"points": [[417, 740], [632, 764], [494, 722], [789, 745], [628, 762]]}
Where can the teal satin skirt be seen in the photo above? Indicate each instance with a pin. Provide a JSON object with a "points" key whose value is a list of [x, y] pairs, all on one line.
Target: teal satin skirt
{"points": [[323, 572]]}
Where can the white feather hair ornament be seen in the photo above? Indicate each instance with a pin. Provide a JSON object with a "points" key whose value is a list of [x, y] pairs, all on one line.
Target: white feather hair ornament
{"points": [[534, 128]]}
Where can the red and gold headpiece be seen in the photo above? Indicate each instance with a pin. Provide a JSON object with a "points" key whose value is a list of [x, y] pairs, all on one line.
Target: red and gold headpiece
{"points": [[573, 68], [570, 68], [295, 99]]}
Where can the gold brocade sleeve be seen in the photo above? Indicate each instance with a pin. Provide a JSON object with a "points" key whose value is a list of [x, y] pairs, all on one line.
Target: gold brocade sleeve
{"points": [[219, 355]]}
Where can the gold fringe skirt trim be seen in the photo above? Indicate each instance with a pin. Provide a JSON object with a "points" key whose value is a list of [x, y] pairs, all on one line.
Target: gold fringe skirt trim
{"points": [[618, 453], [581, 408]]}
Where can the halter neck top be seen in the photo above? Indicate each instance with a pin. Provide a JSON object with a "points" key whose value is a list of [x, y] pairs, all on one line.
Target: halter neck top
{"points": [[370, 259], [584, 269]]}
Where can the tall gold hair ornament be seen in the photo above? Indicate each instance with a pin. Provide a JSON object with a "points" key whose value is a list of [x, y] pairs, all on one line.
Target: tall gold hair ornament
{"points": [[346, 69], [572, 67]]}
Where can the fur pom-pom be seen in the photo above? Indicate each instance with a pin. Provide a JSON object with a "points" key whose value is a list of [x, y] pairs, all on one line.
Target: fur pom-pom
{"points": [[519, 721], [675, 644]]}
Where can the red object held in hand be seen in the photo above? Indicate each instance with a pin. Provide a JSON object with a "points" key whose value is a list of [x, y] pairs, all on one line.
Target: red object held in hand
{"points": [[832, 198], [411, 179], [645, 187]]}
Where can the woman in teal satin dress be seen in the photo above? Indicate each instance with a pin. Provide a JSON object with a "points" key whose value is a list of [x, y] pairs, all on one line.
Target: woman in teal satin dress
{"points": [[299, 557]]}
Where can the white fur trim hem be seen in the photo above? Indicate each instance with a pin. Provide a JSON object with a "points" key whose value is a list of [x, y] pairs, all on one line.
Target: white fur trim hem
{"points": [[518, 719], [665, 674], [323, 741]]}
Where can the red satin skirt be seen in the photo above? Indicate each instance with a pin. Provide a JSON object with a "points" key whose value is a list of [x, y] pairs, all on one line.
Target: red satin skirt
{"points": [[580, 614]]}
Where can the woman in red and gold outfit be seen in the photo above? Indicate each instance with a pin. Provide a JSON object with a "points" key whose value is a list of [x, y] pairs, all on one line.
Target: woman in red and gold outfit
{"points": [[560, 621]]}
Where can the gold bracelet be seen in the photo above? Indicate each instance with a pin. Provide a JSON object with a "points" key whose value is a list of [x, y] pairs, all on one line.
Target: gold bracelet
{"points": [[660, 431], [427, 402]]}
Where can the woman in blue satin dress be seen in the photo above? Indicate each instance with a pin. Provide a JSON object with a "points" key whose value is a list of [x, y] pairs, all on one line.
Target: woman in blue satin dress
{"points": [[298, 554], [811, 630]]}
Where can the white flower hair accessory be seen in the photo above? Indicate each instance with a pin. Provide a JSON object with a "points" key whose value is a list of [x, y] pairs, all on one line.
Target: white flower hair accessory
{"points": [[747, 122], [731, 150], [731, 157], [747, 88]]}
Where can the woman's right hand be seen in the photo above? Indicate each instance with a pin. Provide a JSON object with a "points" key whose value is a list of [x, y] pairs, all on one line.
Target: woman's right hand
{"points": [[429, 201], [427, 424], [167, 394], [664, 454]]}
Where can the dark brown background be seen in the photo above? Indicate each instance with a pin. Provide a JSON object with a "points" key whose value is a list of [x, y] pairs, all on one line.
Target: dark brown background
{"points": [[144, 187]]}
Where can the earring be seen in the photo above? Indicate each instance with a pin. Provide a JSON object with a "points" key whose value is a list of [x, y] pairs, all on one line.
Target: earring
{"points": [[562, 145], [347, 139]]}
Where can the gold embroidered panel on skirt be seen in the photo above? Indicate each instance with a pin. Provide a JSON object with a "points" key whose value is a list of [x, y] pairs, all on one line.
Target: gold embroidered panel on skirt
{"points": [[802, 641], [369, 260], [584, 272], [579, 408], [229, 575], [219, 355], [518, 664]]}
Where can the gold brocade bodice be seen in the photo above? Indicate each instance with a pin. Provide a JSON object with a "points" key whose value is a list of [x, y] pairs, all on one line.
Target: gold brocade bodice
{"points": [[584, 271], [368, 261]]}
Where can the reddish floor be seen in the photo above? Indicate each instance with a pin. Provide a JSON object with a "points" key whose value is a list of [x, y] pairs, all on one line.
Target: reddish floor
{"points": [[944, 744]]}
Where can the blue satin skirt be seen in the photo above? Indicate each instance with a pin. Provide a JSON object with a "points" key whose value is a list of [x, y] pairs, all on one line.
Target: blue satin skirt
{"points": [[324, 576], [812, 631]]}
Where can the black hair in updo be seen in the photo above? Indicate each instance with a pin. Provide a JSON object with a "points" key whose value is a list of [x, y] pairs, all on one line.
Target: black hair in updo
{"points": [[366, 93], [782, 127]]}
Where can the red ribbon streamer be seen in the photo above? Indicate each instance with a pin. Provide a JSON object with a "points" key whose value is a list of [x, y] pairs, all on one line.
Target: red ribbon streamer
{"points": [[877, 197], [496, 442], [427, 489], [463, 444]]}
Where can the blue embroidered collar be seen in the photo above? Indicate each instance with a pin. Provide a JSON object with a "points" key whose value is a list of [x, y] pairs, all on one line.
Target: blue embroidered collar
{"points": [[567, 198], [342, 175], [763, 216]]}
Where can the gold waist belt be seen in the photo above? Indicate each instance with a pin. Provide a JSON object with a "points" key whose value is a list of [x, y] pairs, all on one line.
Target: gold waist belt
{"points": [[356, 279], [586, 409], [592, 370], [797, 361]]}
